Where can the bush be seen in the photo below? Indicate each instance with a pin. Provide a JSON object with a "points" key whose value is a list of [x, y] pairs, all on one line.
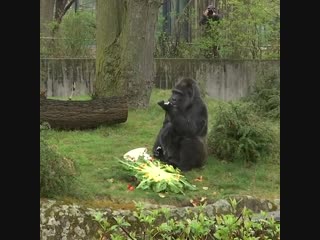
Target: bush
{"points": [[239, 134], [266, 96], [162, 224], [73, 37], [248, 30], [56, 172]]}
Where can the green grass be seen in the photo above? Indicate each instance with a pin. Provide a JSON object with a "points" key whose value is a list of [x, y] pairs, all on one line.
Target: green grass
{"points": [[74, 98], [102, 180]]}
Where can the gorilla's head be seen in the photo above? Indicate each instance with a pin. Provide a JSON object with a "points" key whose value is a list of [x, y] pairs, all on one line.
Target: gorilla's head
{"points": [[211, 10], [184, 93]]}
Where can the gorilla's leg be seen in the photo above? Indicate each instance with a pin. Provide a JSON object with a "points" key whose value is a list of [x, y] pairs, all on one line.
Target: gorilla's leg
{"points": [[192, 154], [163, 144], [157, 148]]}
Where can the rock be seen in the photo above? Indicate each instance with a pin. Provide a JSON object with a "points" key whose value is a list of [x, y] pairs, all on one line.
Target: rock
{"points": [[222, 207], [274, 214], [277, 203], [80, 232], [210, 210], [254, 204]]}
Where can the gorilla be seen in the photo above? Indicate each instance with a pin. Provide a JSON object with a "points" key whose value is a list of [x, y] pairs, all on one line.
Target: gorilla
{"points": [[210, 13], [181, 141]]}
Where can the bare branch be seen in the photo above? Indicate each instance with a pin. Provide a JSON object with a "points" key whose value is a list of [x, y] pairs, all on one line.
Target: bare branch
{"points": [[66, 8]]}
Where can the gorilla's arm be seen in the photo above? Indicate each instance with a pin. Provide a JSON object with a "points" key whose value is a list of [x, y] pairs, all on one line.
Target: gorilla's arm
{"points": [[190, 124], [184, 126]]}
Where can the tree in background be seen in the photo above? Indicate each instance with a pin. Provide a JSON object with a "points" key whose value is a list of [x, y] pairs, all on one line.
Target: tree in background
{"points": [[249, 29], [75, 37], [125, 47], [69, 33]]}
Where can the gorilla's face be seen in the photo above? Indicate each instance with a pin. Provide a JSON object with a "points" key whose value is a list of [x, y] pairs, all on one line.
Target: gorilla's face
{"points": [[180, 99], [176, 98]]}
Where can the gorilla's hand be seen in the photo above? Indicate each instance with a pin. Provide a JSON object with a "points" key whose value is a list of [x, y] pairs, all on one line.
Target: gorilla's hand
{"points": [[165, 105], [158, 152]]}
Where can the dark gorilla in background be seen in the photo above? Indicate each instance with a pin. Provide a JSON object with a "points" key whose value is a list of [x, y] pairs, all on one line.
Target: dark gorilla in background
{"points": [[181, 141], [211, 14]]}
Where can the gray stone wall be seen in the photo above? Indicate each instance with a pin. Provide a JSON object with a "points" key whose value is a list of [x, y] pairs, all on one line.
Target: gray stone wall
{"points": [[58, 75], [221, 79], [61, 221]]}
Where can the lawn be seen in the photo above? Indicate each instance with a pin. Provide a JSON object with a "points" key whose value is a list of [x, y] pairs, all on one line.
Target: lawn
{"points": [[102, 181]]}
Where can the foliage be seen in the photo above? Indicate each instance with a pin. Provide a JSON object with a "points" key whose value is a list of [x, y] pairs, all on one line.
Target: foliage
{"points": [[56, 172], [160, 224], [239, 134], [249, 29], [159, 177], [166, 45], [73, 37], [265, 95]]}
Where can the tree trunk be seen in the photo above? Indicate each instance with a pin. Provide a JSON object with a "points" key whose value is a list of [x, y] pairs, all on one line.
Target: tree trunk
{"points": [[46, 14], [83, 114], [125, 48]]}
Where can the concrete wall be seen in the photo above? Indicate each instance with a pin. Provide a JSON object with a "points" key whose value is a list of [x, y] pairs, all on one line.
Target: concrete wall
{"points": [[221, 79], [57, 76]]}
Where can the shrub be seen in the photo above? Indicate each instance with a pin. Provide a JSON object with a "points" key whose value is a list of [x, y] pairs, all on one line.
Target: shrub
{"points": [[56, 172], [248, 30], [73, 37], [239, 134], [265, 95], [161, 224]]}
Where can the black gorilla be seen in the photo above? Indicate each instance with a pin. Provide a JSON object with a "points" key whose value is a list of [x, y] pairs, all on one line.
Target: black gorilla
{"points": [[209, 13], [181, 141]]}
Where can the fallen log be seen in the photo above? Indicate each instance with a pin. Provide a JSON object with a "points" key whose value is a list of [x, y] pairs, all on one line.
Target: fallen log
{"points": [[71, 115]]}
